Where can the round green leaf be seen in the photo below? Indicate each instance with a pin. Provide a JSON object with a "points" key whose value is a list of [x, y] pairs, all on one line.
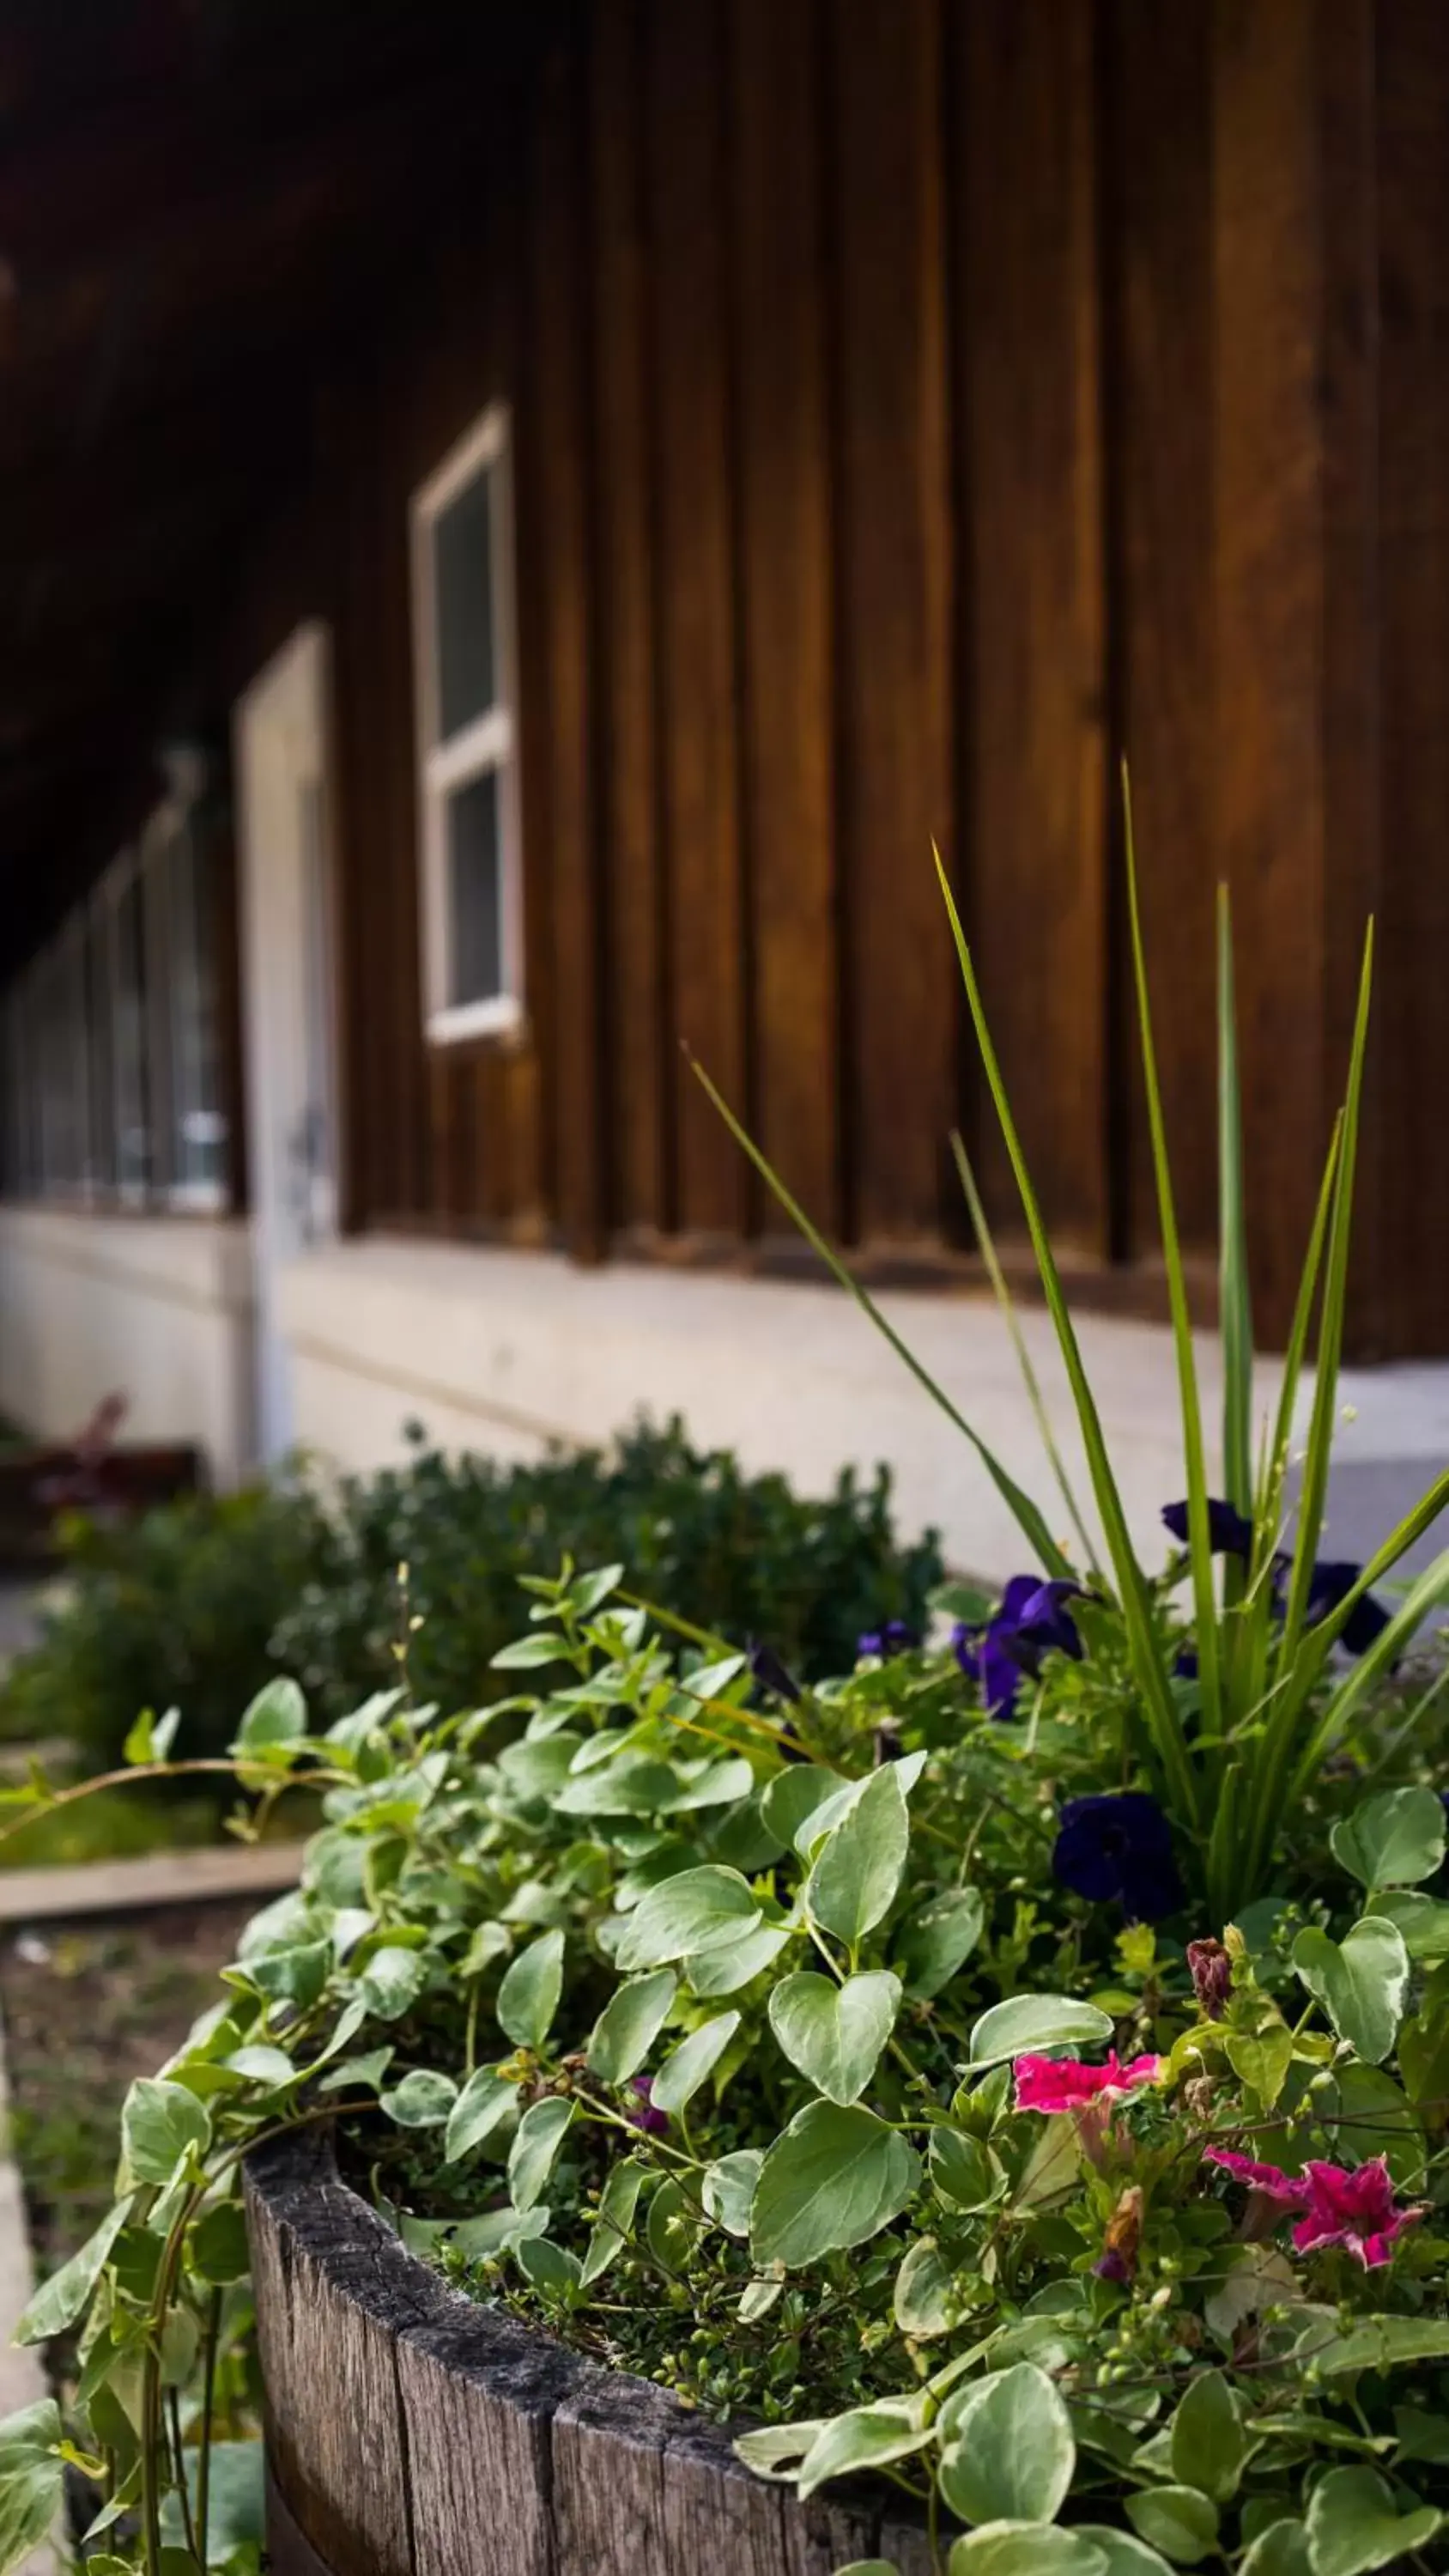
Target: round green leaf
{"points": [[858, 1867], [551, 2268], [1281, 2550], [835, 2034], [1361, 1982], [391, 1979], [923, 2300], [59, 2301], [261, 2064], [614, 2223], [159, 2122], [629, 2024], [276, 1718], [423, 2099], [724, 1972], [1124, 2553], [540, 2136], [792, 1797], [673, 2227], [483, 2105], [686, 2067], [937, 1939], [1208, 2446], [1393, 1840], [1025, 2549], [866, 2438], [529, 1995], [963, 2169], [1354, 2525], [1029, 2024], [1012, 2452], [217, 2247], [1179, 2521], [830, 2182], [697, 1910], [728, 2189]]}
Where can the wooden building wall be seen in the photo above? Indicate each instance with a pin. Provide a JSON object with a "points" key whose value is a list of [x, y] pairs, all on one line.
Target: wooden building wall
{"points": [[917, 404]]}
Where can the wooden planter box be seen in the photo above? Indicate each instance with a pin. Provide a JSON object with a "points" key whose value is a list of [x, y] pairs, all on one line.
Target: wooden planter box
{"points": [[414, 2433]]}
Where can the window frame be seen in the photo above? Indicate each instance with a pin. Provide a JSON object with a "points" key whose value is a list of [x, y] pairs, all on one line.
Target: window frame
{"points": [[127, 875], [487, 745], [173, 834]]}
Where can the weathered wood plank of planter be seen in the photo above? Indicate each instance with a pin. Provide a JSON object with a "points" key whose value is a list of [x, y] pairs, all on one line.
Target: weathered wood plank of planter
{"points": [[414, 2433]]}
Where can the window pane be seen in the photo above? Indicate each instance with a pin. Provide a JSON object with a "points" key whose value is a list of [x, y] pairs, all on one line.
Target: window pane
{"points": [[200, 1135], [463, 581], [128, 1044], [476, 945]]}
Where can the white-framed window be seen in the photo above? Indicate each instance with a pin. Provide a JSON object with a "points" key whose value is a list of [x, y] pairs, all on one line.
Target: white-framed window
{"points": [[113, 1036], [182, 938], [471, 863], [132, 1072]]}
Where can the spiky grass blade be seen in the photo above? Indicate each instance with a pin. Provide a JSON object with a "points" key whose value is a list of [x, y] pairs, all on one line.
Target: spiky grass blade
{"points": [[1198, 1534], [997, 1277], [1431, 1589], [1330, 1330], [1275, 1464], [1314, 1651], [1160, 1714], [1235, 1308], [1024, 1511], [1275, 1753]]}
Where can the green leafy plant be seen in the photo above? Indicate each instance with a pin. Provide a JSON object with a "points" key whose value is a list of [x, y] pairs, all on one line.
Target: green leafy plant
{"points": [[1231, 1761], [639, 2006], [198, 1604], [745, 1554], [952, 2068]]}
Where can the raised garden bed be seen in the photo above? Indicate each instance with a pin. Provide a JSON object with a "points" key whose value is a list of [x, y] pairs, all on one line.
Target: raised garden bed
{"points": [[415, 2433], [89, 2006]]}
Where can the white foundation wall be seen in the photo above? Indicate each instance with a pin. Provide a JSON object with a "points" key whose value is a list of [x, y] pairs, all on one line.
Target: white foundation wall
{"points": [[155, 1308], [498, 1351]]}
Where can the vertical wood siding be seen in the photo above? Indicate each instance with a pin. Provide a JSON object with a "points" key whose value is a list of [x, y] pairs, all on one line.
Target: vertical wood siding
{"points": [[918, 404]]}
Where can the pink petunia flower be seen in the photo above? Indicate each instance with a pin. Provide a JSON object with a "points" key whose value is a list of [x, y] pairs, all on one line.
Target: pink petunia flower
{"points": [[1067, 2084], [1270, 2180], [1349, 2206]]}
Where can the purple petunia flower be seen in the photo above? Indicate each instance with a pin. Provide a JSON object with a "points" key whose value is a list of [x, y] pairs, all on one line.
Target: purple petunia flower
{"points": [[1118, 1850], [770, 1673], [1330, 1583], [655, 2123], [895, 1638], [1229, 1534], [1031, 1623]]}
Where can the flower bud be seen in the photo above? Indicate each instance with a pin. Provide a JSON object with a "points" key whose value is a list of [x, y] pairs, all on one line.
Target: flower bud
{"points": [[1212, 1976]]}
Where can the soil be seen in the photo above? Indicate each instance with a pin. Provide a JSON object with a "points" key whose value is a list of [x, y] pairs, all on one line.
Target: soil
{"points": [[87, 2007]]}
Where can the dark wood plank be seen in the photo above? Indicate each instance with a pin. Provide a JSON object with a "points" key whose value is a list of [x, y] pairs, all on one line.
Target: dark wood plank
{"points": [[556, 433], [1027, 280], [1295, 651], [1158, 357], [486, 2446], [645, 1076], [786, 586], [1411, 1052], [894, 609], [696, 604]]}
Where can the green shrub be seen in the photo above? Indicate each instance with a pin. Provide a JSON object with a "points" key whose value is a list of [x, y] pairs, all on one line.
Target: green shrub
{"points": [[175, 1610], [702, 1539], [197, 1605]]}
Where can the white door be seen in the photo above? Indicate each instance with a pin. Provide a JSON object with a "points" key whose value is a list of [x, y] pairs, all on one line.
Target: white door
{"points": [[281, 769]]}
